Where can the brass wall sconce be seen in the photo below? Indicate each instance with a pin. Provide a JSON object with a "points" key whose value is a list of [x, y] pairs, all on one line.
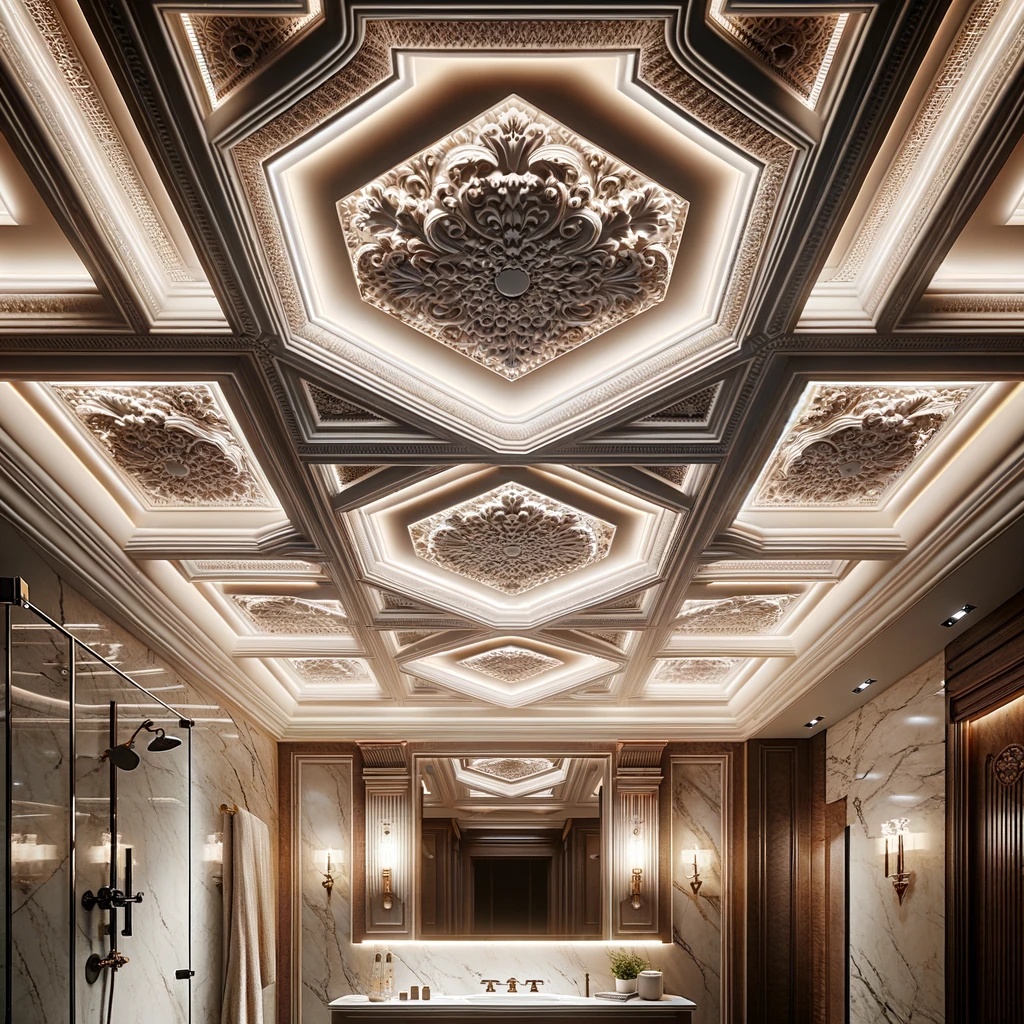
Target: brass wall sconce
{"points": [[637, 858], [901, 879], [695, 881], [328, 882], [386, 856]]}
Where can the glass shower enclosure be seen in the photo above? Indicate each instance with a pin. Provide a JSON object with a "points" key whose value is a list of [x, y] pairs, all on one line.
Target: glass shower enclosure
{"points": [[97, 777]]}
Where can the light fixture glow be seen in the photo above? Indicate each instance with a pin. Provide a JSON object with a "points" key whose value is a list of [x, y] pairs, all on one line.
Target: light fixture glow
{"points": [[959, 614], [814, 721], [861, 687], [386, 858], [636, 857]]}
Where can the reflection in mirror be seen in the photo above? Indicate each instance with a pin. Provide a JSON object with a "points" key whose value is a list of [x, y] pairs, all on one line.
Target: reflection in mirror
{"points": [[511, 846]]}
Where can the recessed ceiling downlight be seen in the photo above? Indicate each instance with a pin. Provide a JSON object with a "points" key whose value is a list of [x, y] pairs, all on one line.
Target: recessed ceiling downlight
{"points": [[814, 721], [959, 614], [861, 687]]}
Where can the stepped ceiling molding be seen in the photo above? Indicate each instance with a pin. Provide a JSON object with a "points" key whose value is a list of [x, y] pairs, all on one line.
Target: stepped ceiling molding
{"points": [[619, 373], [511, 365]]}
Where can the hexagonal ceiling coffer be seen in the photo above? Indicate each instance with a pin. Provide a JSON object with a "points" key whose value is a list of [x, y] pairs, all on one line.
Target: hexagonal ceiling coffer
{"points": [[512, 539], [510, 663], [512, 240]]}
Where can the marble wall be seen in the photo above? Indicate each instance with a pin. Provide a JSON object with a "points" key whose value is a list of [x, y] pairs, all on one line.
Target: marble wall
{"points": [[232, 761], [888, 760], [331, 966]]}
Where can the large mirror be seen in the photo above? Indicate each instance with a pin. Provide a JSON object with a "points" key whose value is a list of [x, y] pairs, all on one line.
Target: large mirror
{"points": [[512, 846]]}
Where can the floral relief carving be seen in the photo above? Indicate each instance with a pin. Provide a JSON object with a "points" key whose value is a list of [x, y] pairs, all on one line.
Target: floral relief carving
{"points": [[512, 539], [1009, 765], [797, 50], [734, 616], [173, 441], [511, 664], [230, 50], [512, 240], [693, 409], [511, 769], [694, 671], [852, 443], [330, 671], [277, 615]]}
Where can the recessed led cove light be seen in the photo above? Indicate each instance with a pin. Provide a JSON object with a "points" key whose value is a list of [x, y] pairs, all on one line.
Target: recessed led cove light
{"points": [[814, 721], [959, 614], [861, 687]]}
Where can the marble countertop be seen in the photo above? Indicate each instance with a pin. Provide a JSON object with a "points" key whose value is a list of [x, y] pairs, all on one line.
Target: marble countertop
{"points": [[519, 1001]]}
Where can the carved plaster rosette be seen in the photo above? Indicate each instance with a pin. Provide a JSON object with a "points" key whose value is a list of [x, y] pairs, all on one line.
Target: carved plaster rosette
{"points": [[694, 671], [734, 616], [513, 240], [1009, 765], [512, 539], [172, 441], [283, 615], [330, 671], [511, 664], [852, 443], [511, 769]]}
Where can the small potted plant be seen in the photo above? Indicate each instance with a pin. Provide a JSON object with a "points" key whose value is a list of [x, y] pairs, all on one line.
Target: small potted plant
{"points": [[625, 968]]}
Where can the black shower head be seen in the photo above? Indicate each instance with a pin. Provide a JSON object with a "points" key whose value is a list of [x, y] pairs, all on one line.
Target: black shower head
{"points": [[124, 756], [163, 742]]}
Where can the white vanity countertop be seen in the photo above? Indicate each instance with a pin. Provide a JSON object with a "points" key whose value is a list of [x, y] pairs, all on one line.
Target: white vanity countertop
{"points": [[521, 1001]]}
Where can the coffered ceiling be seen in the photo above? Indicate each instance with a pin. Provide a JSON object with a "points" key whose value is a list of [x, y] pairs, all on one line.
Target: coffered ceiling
{"points": [[405, 372]]}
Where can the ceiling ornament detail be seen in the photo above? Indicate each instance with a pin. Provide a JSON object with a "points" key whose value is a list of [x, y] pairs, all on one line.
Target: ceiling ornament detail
{"points": [[511, 769], [174, 442], [408, 637], [798, 51], [513, 240], [694, 671], [282, 615], [511, 664], [330, 671], [617, 638], [256, 566], [228, 51], [734, 616], [693, 409], [332, 408], [345, 476], [512, 539], [796, 568], [676, 475], [851, 443]]}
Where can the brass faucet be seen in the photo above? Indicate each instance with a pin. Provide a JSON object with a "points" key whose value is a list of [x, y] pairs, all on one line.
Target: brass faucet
{"points": [[490, 983], [512, 984], [533, 983], [115, 959]]}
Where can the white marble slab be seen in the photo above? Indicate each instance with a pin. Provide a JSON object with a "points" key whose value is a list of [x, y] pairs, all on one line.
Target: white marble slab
{"points": [[888, 759]]}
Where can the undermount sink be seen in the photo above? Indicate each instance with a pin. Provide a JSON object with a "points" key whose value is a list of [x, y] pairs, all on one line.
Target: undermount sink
{"points": [[507, 999]]}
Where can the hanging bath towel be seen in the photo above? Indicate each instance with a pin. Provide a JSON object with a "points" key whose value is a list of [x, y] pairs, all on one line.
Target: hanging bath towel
{"points": [[248, 918]]}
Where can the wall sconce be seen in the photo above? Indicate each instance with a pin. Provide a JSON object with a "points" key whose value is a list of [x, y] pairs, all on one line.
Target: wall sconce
{"points": [[328, 882], [695, 881], [636, 851], [386, 859], [901, 880]]}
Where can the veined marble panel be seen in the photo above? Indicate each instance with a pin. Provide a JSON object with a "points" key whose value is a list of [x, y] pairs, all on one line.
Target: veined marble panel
{"points": [[888, 760], [698, 814]]}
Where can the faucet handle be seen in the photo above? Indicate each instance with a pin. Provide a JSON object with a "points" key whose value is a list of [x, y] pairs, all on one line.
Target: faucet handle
{"points": [[490, 983], [512, 984], [533, 983]]}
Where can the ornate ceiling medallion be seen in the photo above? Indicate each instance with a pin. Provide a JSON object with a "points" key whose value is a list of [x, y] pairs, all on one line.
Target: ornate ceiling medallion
{"points": [[511, 664], [511, 539], [282, 615], [734, 616], [330, 671], [513, 240], [511, 769], [851, 443], [174, 442]]}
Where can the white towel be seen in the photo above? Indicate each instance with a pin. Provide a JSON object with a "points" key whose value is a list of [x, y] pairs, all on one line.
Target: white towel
{"points": [[248, 919]]}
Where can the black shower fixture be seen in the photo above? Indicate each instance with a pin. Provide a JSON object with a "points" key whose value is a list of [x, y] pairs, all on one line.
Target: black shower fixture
{"points": [[124, 756]]}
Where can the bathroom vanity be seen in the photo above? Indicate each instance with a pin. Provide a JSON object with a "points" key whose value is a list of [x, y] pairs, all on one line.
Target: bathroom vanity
{"points": [[511, 1009]]}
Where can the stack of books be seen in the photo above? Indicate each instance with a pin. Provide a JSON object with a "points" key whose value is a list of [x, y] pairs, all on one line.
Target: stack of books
{"points": [[619, 997]]}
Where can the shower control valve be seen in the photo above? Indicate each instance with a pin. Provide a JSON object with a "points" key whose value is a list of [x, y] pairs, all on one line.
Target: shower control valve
{"points": [[106, 898]]}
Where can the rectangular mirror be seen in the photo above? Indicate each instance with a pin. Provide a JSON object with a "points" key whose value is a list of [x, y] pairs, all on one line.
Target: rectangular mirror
{"points": [[512, 846]]}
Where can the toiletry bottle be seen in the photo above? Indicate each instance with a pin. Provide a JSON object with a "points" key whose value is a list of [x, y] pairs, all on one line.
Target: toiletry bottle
{"points": [[376, 992], [389, 976]]}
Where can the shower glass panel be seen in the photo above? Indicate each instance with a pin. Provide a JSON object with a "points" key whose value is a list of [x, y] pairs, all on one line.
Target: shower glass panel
{"points": [[91, 830]]}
